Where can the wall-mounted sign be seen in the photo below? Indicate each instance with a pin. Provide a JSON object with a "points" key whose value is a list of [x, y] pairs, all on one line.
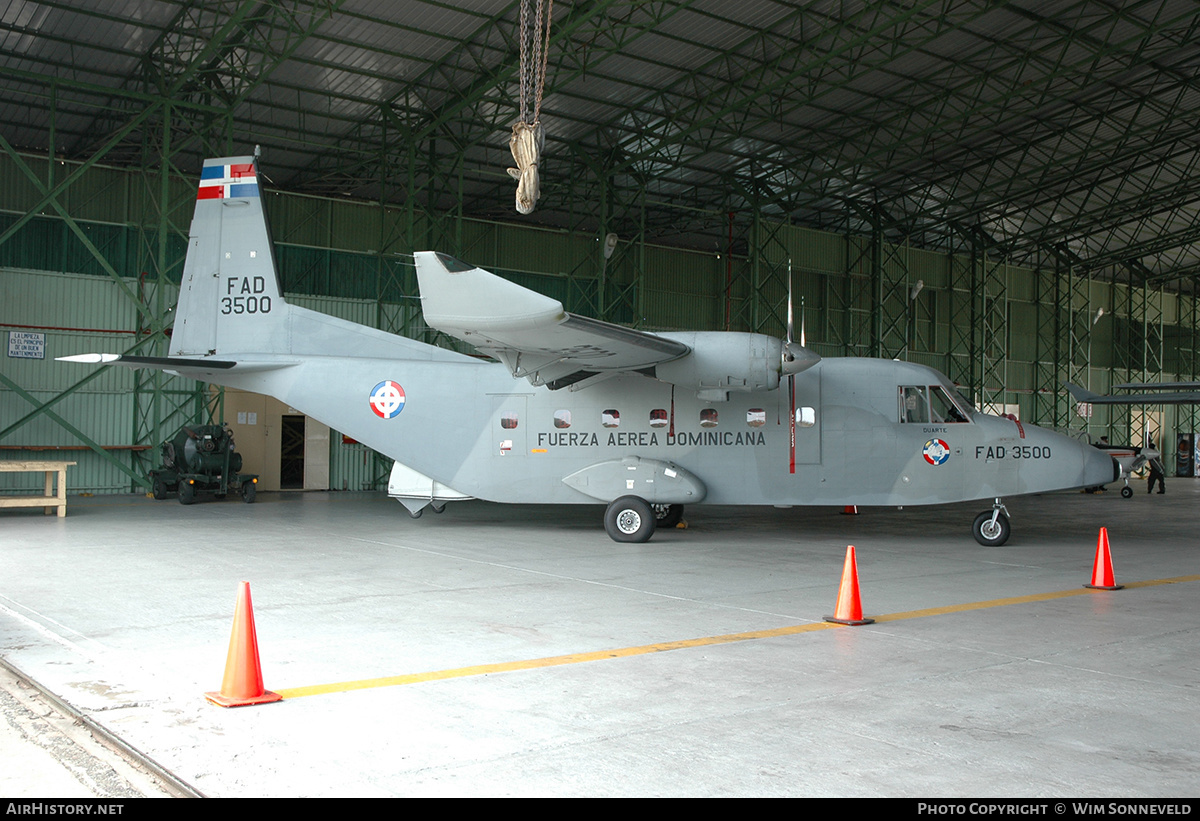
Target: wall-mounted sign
{"points": [[26, 345]]}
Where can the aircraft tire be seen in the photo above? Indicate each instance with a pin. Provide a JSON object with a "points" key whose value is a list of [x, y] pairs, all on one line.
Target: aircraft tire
{"points": [[1126, 493], [988, 535], [668, 515], [630, 519]]}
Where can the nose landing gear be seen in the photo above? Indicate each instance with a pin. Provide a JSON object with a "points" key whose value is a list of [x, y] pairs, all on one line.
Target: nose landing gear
{"points": [[991, 528]]}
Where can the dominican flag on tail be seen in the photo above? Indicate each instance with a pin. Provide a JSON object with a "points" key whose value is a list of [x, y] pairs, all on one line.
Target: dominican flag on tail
{"points": [[218, 182]]}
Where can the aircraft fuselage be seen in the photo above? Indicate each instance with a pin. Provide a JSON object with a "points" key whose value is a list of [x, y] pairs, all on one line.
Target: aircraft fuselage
{"points": [[472, 427]]}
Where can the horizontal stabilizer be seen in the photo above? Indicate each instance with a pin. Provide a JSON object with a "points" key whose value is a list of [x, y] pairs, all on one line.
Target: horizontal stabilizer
{"points": [[188, 366]]}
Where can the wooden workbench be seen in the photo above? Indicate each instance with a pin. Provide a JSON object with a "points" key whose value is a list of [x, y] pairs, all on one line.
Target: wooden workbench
{"points": [[50, 501]]}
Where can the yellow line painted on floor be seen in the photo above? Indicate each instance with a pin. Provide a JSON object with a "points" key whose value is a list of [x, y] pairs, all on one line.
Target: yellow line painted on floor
{"points": [[707, 641]]}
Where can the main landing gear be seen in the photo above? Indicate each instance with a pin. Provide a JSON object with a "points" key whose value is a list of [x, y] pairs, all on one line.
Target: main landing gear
{"points": [[991, 528], [630, 519], [633, 519]]}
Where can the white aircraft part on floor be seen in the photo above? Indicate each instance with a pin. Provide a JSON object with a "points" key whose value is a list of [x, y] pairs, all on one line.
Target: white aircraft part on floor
{"points": [[579, 411], [416, 491]]}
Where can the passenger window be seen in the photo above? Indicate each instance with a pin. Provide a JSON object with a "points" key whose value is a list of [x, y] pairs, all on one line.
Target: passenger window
{"points": [[610, 418], [806, 417], [508, 420], [562, 419], [658, 418], [708, 418], [756, 417], [914, 406]]}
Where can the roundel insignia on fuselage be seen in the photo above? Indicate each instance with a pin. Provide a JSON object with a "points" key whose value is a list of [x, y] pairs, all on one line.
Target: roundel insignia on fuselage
{"points": [[387, 399], [936, 452]]}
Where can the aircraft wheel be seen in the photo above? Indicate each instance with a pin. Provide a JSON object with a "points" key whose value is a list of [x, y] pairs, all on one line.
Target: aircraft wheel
{"points": [[416, 514], [630, 519], [1126, 492], [249, 491], [437, 508], [668, 515], [988, 534], [159, 489], [187, 493]]}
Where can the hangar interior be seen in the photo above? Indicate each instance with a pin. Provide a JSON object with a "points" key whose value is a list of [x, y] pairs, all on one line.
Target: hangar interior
{"points": [[1005, 192]]}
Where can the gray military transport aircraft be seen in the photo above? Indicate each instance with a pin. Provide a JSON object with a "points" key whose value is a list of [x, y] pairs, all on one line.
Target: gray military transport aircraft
{"points": [[579, 411]]}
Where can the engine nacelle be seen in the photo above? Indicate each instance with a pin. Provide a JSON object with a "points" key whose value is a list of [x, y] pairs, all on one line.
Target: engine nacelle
{"points": [[721, 362]]}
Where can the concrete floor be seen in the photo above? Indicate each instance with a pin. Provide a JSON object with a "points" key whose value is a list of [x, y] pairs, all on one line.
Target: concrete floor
{"points": [[124, 609]]}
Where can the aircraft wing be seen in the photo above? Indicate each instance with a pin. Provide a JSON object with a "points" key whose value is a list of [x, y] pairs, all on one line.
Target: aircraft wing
{"points": [[530, 333], [1178, 398]]}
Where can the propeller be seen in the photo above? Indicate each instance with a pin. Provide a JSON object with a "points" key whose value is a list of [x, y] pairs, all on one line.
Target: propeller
{"points": [[794, 359]]}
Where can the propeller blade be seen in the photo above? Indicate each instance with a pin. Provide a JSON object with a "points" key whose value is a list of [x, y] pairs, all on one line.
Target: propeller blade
{"points": [[788, 339], [795, 357]]}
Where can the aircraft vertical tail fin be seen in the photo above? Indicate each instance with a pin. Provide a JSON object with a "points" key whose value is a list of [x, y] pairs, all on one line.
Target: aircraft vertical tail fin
{"points": [[1080, 394], [231, 306], [230, 300]]}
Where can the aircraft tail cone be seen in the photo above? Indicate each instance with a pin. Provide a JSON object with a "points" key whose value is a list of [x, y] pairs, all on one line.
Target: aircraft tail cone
{"points": [[1102, 569], [243, 682], [850, 510], [848, 609]]}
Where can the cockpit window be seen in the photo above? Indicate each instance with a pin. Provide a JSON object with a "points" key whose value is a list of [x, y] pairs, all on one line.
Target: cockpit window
{"points": [[914, 406], [943, 408], [935, 403]]}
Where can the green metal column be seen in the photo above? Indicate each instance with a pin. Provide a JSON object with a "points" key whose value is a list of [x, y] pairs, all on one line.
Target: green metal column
{"points": [[1187, 342], [962, 359]]}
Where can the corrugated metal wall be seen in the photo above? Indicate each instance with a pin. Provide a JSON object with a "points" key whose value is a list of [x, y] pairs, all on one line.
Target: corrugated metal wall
{"points": [[75, 314]]}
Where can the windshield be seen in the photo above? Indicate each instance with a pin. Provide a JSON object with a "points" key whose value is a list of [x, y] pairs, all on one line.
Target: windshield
{"points": [[926, 404], [944, 408]]}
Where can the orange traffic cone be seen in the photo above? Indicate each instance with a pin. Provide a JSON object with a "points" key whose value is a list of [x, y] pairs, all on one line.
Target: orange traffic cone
{"points": [[850, 510], [243, 683], [1102, 569], [848, 609]]}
